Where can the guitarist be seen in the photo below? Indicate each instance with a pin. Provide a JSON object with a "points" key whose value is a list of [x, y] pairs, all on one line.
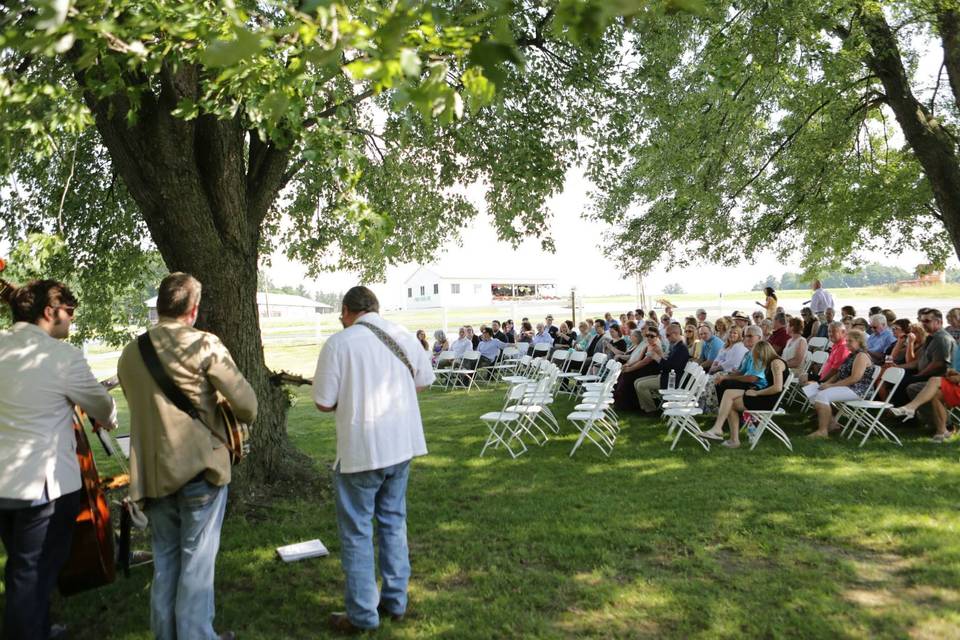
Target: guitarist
{"points": [[41, 379], [179, 468]]}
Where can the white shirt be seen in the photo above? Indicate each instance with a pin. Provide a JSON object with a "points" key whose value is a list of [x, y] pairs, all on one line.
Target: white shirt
{"points": [[730, 359], [461, 345], [41, 379], [378, 417], [821, 301]]}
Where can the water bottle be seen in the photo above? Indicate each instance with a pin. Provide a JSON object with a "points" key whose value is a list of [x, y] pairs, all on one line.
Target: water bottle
{"points": [[672, 380]]}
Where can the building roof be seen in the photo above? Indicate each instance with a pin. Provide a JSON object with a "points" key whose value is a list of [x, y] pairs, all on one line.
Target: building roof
{"points": [[497, 278], [273, 299]]}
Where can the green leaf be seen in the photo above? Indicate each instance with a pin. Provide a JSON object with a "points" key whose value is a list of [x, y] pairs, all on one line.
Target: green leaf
{"points": [[275, 106], [226, 53], [410, 62]]}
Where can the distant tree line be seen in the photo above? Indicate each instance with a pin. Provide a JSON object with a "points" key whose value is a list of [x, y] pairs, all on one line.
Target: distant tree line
{"points": [[870, 275]]}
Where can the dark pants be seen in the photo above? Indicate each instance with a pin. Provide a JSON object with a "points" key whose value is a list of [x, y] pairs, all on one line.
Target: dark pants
{"points": [[37, 541], [901, 397]]}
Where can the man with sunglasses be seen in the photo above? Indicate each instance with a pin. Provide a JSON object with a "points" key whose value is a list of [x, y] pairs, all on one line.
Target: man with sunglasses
{"points": [[41, 379]]}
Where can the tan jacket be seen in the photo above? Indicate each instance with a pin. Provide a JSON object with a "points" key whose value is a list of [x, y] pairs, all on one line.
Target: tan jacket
{"points": [[167, 447]]}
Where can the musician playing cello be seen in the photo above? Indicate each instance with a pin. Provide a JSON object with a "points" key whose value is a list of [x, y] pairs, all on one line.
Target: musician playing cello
{"points": [[178, 466], [41, 379]]}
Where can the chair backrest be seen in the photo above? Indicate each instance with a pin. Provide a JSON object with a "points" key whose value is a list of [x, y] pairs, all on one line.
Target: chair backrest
{"points": [[470, 359], [817, 344], [445, 356], [688, 370], [596, 362], [893, 377], [509, 353], [787, 381], [560, 357], [818, 358], [575, 360], [524, 347], [612, 369], [540, 349]]}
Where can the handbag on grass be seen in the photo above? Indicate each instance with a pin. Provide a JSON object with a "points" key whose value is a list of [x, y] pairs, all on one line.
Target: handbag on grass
{"points": [[236, 434]]}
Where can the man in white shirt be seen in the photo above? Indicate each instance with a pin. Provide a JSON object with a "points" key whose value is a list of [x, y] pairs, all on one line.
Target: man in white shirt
{"points": [[821, 300], [41, 379], [462, 344], [543, 335], [370, 374]]}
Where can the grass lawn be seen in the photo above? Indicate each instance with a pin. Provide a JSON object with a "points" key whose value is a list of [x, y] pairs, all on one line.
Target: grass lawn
{"points": [[829, 541]]}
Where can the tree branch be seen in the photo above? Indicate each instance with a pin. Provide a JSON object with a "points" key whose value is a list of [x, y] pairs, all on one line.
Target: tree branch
{"points": [[331, 109]]}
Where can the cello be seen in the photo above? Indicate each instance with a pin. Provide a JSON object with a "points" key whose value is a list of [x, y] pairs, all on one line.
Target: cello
{"points": [[92, 560]]}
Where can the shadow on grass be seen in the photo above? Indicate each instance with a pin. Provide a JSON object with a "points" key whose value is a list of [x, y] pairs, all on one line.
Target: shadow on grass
{"points": [[827, 541]]}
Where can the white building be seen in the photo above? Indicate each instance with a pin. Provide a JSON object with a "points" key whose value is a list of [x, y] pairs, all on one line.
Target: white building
{"points": [[272, 305], [430, 287]]}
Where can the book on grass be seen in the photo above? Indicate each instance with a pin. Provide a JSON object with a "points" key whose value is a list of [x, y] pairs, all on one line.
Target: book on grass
{"points": [[300, 550]]}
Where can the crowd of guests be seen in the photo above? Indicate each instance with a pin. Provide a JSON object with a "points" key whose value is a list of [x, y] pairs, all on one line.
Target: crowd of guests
{"points": [[749, 356]]}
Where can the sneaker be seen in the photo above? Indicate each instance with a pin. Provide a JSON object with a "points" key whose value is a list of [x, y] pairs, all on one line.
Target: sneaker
{"points": [[903, 412]]}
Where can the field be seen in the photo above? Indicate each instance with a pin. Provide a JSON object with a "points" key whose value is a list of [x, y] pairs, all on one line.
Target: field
{"points": [[829, 541]]}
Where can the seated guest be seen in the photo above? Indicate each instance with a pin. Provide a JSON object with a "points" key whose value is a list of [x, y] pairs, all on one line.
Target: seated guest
{"points": [[937, 395], [474, 338], [762, 396], [847, 382], [422, 339], [701, 316], [740, 320], [766, 328], [498, 332], [904, 349], [526, 332], [489, 348], [616, 346], [758, 317], [623, 319], [440, 343], [847, 311], [596, 343], [710, 346], [586, 335], [823, 330], [631, 316], [890, 315], [720, 328], [779, 336], [573, 332], [509, 332], [795, 351], [880, 340], [675, 360], [665, 322], [933, 360], [549, 327], [861, 324], [837, 333], [691, 321], [953, 323], [640, 364], [748, 373], [732, 353], [563, 340], [808, 321], [542, 336], [653, 316], [692, 341], [462, 344], [874, 310]]}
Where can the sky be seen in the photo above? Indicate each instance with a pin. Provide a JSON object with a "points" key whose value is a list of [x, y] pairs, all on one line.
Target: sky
{"points": [[579, 260]]}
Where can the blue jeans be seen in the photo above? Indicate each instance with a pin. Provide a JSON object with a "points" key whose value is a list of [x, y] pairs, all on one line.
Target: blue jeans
{"points": [[361, 497], [186, 538]]}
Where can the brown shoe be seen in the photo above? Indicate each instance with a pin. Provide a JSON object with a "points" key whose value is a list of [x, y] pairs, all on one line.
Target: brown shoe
{"points": [[340, 623], [395, 617]]}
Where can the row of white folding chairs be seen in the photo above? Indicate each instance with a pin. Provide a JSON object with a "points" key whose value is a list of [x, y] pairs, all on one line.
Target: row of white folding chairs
{"points": [[525, 412], [595, 416], [461, 372], [863, 416]]}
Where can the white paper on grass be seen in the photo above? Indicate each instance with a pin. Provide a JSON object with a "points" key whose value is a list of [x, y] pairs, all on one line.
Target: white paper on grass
{"points": [[300, 550]]}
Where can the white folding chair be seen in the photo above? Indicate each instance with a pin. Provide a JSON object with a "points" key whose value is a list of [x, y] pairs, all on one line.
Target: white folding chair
{"points": [[507, 363], [541, 350], [594, 422], [440, 374], [867, 413], [597, 363], [767, 421], [503, 425], [560, 357], [817, 344], [817, 359], [464, 375]]}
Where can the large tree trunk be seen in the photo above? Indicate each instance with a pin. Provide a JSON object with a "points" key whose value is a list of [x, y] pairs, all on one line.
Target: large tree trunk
{"points": [[931, 143], [204, 188]]}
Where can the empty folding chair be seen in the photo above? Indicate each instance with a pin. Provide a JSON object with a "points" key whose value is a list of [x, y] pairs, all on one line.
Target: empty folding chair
{"points": [[594, 424], [507, 364], [597, 363], [867, 413], [817, 359], [560, 357], [504, 426], [817, 344], [541, 350]]}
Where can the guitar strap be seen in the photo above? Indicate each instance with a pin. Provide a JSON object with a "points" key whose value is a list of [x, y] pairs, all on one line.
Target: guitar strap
{"points": [[390, 344], [170, 389]]}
